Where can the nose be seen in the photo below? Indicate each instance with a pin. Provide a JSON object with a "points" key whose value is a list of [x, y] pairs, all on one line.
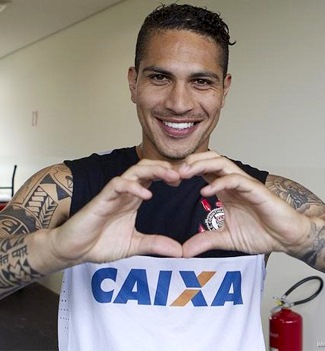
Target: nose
{"points": [[179, 98]]}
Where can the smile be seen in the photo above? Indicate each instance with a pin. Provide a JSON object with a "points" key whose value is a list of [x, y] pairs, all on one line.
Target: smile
{"points": [[179, 126]]}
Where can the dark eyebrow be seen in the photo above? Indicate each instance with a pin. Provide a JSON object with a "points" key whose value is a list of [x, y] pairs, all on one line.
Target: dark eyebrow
{"points": [[206, 74], [196, 75], [156, 69]]}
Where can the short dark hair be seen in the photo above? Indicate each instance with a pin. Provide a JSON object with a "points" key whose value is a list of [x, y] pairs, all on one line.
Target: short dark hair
{"points": [[185, 17]]}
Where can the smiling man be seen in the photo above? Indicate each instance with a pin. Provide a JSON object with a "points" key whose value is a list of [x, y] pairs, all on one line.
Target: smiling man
{"points": [[162, 243], [179, 92]]}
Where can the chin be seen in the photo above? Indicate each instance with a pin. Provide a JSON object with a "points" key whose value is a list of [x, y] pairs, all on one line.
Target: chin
{"points": [[176, 154]]}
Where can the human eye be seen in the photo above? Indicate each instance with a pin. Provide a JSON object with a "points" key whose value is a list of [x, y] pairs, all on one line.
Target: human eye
{"points": [[159, 78], [202, 83]]}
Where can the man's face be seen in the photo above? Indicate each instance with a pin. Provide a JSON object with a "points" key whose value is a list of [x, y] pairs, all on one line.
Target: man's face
{"points": [[179, 92]]}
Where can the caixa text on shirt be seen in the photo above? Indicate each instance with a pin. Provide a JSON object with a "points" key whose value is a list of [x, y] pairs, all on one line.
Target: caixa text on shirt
{"points": [[135, 287]]}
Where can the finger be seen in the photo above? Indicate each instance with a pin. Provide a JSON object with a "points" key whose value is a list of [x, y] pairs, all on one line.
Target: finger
{"points": [[216, 166], [209, 240], [195, 158], [149, 171], [249, 190], [203, 155], [126, 186], [238, 182], [109, 200], [157, 245]]}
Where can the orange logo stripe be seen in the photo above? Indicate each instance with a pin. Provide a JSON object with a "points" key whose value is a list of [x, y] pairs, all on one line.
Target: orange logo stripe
{"points": [[188, 294]]}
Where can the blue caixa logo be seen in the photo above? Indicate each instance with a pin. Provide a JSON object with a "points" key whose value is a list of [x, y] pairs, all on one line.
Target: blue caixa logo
{"points": [[135, 287]]}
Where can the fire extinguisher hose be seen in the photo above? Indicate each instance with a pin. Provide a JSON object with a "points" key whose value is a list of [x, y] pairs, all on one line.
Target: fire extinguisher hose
{"points": [[283, 301]]}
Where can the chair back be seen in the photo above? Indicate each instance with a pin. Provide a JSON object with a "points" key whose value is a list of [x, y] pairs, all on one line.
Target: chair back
{"points": [[12, 186]]}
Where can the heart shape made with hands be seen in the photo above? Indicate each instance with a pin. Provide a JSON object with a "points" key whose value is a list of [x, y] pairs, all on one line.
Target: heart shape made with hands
{"points": [[256, 220], [223, 178]]}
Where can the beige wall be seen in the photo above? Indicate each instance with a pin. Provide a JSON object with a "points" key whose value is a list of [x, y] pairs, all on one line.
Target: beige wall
{"points": [[274, 118]]}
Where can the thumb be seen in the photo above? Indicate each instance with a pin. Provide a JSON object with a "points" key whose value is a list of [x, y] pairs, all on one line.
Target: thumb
{"points": [[209, 240], [153, 244]]}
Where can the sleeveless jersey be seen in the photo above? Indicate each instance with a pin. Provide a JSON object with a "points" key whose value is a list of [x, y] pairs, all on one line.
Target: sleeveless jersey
{"points": [[210, 302]]}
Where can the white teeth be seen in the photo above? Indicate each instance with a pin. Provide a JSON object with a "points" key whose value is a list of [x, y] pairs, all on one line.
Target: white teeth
{"points": [[179, 125]]}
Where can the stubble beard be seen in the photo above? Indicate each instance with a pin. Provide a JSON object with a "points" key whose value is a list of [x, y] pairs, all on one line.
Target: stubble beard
{"points": [[164, 150], [167, 153]]}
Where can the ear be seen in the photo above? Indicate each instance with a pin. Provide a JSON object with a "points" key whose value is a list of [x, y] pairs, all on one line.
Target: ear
{"points": [[226, 87], [132, 78]]}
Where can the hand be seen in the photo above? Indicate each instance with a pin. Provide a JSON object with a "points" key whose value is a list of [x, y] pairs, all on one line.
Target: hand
{"points": [[256, 221], [104, 230]]}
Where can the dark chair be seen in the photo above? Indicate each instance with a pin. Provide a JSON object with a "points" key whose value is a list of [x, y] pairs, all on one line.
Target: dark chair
{"points": [[12, 187], [9, 187]]}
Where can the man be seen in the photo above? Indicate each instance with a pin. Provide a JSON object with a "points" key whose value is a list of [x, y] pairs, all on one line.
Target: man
{"points": [[163, 202]]}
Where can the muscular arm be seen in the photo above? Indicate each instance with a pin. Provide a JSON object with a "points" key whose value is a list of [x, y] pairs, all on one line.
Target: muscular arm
{"points": [[43, 202], [37, 238], [279, 217], [312, 250]]}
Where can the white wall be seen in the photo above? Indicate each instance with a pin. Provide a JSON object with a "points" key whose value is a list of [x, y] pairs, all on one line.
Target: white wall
{"points": [[76, 80]]}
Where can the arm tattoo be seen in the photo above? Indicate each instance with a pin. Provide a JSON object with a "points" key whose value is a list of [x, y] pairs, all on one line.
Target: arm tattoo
{"points": [[14, 267], [37, 208], [296, 195], [27, 214], [315, 253]]}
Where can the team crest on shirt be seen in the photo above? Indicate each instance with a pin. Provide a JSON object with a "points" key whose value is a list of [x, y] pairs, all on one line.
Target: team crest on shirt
{"points": [[215, 217]]}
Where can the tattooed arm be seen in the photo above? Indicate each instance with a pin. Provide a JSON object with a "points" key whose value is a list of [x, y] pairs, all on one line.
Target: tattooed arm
{"points": [[279, 217], [43, 202], [36, 238], [312, 249]]}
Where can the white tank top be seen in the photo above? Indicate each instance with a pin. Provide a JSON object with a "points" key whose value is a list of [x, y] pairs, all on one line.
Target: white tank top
{"points": [[163, 304]]}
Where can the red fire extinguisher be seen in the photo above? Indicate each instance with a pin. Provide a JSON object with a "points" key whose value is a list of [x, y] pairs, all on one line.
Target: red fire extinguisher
{"points": [[286, 326]]}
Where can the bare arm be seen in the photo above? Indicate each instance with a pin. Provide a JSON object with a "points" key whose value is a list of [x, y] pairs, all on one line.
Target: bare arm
{"points": [[38, 239], [282, 216], [43, 202], [296, 195], [304, 201]]}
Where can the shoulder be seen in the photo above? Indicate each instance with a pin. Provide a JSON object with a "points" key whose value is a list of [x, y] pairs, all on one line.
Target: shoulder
{"points": [[254, 172], [109, 163], [55, 180], [90, 174], [42, 202]]}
